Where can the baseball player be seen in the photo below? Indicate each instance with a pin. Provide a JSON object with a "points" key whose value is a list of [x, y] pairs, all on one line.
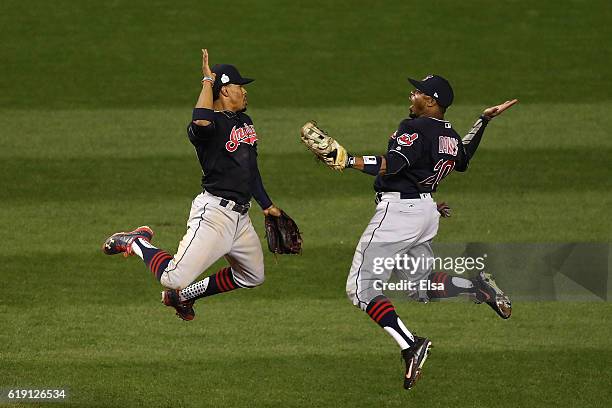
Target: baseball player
{"points": [[420, 154], [225, 141]]}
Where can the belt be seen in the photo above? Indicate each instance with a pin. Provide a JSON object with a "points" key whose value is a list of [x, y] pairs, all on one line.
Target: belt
{"points": [[239, 208], [401, 196]]}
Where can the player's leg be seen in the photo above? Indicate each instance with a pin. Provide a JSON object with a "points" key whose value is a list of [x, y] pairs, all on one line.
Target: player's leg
{"points": [[395, 227], [209, 236], [364, 285], [438, 285], [362, 277], [421, 272], [246, 268], [155, 259], [442, 285], [414, 349], [138, 242], [482, 288], [425, 215], [246, 256], [428, 284], [210, 233]]}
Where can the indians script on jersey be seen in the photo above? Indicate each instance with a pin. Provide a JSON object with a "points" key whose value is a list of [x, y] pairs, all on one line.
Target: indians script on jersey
{"points": [[245, 134]]}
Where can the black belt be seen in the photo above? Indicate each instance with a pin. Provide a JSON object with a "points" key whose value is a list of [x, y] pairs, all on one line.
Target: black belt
{"points": [[239, 208], [403, 196]]}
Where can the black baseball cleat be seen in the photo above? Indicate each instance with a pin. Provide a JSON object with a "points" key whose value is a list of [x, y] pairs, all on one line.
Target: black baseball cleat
{"points": [[184, 310], [488, 292], [121, 242], [415, 357]]}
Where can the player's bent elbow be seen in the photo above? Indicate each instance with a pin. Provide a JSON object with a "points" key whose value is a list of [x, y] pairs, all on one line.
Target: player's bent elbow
{"points": [[201, 123]]}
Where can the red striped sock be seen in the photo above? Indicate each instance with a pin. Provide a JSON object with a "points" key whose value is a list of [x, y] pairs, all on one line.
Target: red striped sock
{"points": [[158, 263], [378, 310], [382, 311], [156, 259], [222, 281]]}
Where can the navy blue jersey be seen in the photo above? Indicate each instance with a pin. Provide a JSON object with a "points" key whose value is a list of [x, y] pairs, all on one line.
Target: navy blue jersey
{"points": [[422, 151], [227, 151]]}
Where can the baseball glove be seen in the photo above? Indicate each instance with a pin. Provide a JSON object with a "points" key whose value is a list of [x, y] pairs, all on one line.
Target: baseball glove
{"points": [[283, 234], [324, 147]]}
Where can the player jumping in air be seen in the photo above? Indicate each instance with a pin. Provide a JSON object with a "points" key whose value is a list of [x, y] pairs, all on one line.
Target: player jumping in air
{"points": [[420, 153], [219, 225]]}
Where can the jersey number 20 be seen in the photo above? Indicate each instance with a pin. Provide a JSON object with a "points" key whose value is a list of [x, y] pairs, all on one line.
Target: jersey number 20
{"points": [[441, 170]]}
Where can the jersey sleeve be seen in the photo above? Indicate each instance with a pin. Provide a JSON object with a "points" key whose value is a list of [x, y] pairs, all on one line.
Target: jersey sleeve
{"points": [[470, 143], [463, 160], [198, 134], [405, 148], [259, 191]]}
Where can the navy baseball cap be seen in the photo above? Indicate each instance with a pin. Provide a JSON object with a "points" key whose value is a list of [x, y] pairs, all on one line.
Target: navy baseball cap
{"points": [[227, 74], [436, 87]]}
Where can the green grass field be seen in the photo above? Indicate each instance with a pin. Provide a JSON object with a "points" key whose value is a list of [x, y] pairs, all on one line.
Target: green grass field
{"points": [[92, 132]]}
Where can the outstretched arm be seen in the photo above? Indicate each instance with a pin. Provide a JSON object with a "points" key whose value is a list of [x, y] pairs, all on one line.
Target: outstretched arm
{"points": [[336, 157], [471, 140], [372, 165]]}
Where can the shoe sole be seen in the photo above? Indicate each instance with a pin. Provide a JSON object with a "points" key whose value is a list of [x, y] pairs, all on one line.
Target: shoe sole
{"points": [[495, 303], [425, 355], [499, 310]]}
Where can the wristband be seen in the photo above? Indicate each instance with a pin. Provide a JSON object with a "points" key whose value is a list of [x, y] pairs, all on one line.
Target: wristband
{"points": [[350, 161], [372, 165], [208, 79]]}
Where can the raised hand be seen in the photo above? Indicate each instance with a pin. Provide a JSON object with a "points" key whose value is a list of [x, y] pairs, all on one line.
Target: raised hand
{"points": [[205, 67], [497, 110]]}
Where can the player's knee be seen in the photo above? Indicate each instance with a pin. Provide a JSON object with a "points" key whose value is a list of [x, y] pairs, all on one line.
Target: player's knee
{"points": [[248, 278], [173, 281], [360, 300], [352, 295], [257, 280]]}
